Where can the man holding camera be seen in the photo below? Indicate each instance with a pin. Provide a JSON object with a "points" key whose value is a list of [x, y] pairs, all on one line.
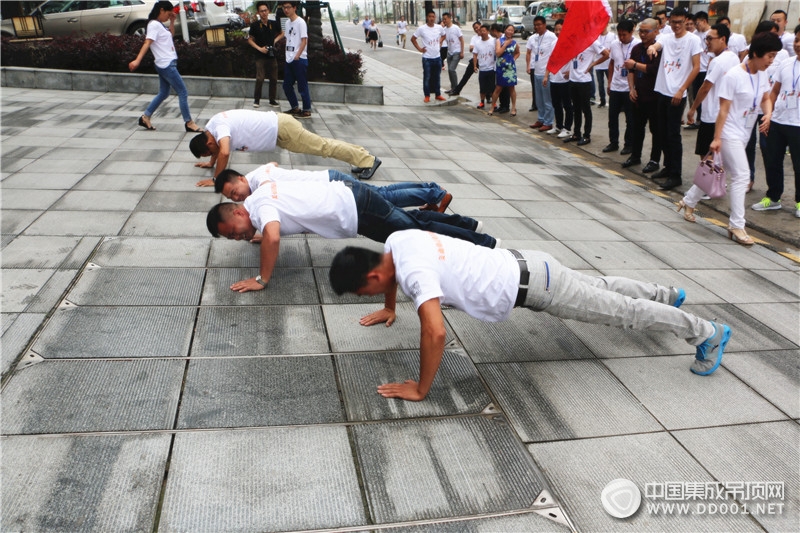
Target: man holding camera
{"points": [[264, 33]]}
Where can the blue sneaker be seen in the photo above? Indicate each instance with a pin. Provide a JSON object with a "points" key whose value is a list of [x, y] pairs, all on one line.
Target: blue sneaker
{"points": [[709, 354], [676, 297]]}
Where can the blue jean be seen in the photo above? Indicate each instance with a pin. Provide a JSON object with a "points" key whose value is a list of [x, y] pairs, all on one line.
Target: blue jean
{"points": [[601, 75], [170, 77], [296, 71], [404, 194], [544, 101], [377, 219], [431, 76]]}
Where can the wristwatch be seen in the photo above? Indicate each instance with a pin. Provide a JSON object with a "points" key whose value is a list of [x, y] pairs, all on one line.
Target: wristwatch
{"points": [[261, 281]]}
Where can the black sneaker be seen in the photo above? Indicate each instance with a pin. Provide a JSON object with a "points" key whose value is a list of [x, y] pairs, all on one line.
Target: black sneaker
{"points": [[671, 184], [612, 147], [583, 141], [294, 112], [273, 103], [368, 173], [625, 150], [651, 166], [630, 162]]}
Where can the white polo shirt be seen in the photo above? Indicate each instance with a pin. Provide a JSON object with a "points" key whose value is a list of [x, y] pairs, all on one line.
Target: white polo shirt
{"points": [[270, 172], [253, 131]]}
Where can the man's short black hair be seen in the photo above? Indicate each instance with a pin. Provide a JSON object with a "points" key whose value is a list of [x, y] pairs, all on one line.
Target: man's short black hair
{"points": [[539, 18], [198, 145], [723, 19], [701, 15], [781, 12], [625, 25], [227, 175], [262, 3], [766, 25], [445, 15], [764, 43], [797, 29], [350, 267], [214, 218], [497, 27], [678, 12], [722, 31]]}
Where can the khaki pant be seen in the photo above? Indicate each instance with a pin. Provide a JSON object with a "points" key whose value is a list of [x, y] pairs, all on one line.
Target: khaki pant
{"points": [[294, 137]]}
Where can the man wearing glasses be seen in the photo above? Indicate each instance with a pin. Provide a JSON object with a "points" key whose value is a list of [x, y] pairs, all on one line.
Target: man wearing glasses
{"points": [[680, 64], [296, 69]]}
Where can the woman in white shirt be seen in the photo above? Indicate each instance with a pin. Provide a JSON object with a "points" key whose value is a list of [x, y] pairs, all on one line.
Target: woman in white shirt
{"points": [[159, 40]]}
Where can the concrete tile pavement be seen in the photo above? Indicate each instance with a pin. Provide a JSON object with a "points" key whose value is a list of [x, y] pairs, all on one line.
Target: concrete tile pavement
{"points": [[139, 393]]}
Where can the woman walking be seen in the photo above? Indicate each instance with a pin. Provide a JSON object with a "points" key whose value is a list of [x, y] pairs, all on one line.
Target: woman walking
{"points": [[507, 52], [159, 40]]}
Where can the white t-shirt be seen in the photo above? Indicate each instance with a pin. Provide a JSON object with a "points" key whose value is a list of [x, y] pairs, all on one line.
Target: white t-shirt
{"points": [[787, 106], [718, 67], [676, 62], [402, 27], [788, 42], [666, 30], [453, 39], [253, 131], [737, 43], [579, 65], [477, 280], [606, 41], [327, 209], [163, 46], [541, 46], [705, 55], [485, 53], [428, 38], [473, 42], [745, 92], [620, 52], [270, 172], [295, 31]]}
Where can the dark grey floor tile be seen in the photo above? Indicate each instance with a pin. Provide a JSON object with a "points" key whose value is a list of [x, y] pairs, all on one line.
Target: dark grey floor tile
{"points": [[328, 296], [688, 255], [347, 335], [52, 292], [748, 333], [170, 224], [16, 336], [774, 375], [579, 470], [81, 396], [104, 332], [703, 400], [279, 330], [514, 228], [98, 483], [148, 252], [525, 336], [20, 286], [259, 391], [29, 199], [15, 221], [607, 341], [784, 318], [98, 201], [642, 231], [615, 255], [138, 286], [759, 453], [287, 286], [186, 201], [741, 286], [547, 400], [262, 480], [422, 469], [324, 250], [225, 253], [457, 388]]}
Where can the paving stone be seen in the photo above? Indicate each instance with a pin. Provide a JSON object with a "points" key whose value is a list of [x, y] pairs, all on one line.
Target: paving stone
{"points": [[607, 341], [287, 286], [783, 318], [615, 255], [20, 286], [476, 208], [97, 483], [82, 396], [774, 375], [548, 211], [514, 228], [150, 168], [259, 391], [789, 280], [147, 252], [527, 192], [580, 469], [225, 253], [116, 182], [52, 292], [104, 332], [741, 286], [745, 258], [647, 232], [78, 223], [457, 388], [16, 336], [695, 292], [654, 380], [529, 521], [525, 336], [425, 469], [37, 252], [262, 480], [98, 201], [328, 296], [79, 255], [29, 199], [547, 400], [138, 286], [606, 211], [194, 201], [297, 329], [756, 453], [172, 224], [16, 220], [347, 335], [32, 180], [324, 250]]}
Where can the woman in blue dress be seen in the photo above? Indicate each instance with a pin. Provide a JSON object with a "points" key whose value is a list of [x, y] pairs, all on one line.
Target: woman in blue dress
{"points": [[507, 51]]}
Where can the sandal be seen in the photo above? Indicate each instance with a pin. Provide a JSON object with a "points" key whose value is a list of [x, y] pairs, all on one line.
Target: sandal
{"points": [[514, 113], [145, 124], [196, 129], [688, 214]]}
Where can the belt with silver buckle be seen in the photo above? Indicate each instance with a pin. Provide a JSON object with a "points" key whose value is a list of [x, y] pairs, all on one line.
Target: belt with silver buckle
{"points": [[524, 277]]}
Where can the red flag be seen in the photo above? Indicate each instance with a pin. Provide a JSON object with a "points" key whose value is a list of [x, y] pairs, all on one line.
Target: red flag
{"points": [[584, 22]]}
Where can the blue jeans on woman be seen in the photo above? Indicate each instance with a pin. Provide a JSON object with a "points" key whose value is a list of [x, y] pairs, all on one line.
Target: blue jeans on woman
{"points": [[297, 71], [170, 77], [377, 219], [405, 194]]}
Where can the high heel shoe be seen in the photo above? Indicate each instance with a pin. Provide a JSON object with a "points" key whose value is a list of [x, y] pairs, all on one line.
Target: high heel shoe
{"points": [[196, 129], [145, 125], [688, 214], [740, 236]]}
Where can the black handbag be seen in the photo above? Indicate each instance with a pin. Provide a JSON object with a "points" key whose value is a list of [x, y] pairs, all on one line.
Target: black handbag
{"points": [[380, 43]]}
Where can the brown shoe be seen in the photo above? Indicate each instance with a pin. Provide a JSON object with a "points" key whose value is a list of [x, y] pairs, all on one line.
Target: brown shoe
{"points": [[536, 125], [446, 199], [546, 128]]}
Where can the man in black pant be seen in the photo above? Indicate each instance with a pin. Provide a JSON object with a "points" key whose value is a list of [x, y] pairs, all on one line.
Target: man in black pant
{"points": [[263, 35]]}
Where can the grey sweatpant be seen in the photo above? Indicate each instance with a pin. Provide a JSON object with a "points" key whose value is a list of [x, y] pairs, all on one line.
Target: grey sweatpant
{"points": [[610, 300]]}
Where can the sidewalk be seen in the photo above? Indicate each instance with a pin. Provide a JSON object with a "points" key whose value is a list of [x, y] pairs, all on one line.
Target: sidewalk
{"points": [[140, 393]]}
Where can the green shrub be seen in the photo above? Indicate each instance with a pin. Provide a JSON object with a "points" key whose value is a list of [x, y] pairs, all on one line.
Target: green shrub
{"points": [[110, 53]]}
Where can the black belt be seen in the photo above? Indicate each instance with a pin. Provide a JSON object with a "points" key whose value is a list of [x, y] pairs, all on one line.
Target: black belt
{"points": [[524, 277]]}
